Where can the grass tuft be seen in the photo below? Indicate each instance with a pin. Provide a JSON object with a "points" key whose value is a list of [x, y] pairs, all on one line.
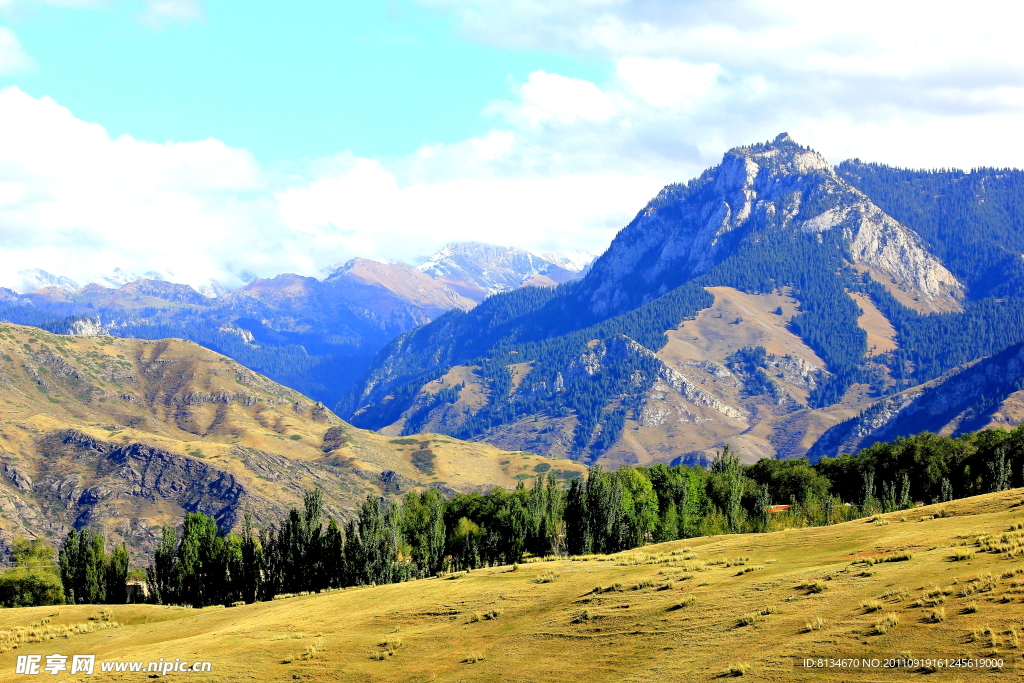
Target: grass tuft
{"points": [[886, 624], [735, 670], [814, 624], [686, 601], [871, 606]]}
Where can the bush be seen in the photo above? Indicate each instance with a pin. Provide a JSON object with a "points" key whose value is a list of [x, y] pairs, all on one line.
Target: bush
{"points": [[24, 587]]}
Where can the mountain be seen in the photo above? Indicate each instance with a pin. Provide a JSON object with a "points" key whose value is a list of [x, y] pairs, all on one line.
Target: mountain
{"points": [[37, 278], [988, 393], [126, 435], [478, 269], [315, 336], [757, 305]]}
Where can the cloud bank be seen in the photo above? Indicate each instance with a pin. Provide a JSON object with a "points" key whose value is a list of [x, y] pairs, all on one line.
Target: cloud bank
{"points": [[567, 161]]}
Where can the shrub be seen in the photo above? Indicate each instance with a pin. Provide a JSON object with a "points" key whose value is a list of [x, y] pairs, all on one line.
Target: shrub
{"points": [[960, 555], [937, 615], [871, 606], [899, 557], [815, 624], [749, 619], [971, 607], [473, 659]]}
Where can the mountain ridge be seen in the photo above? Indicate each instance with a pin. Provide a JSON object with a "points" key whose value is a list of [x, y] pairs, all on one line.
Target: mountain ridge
{"points": [[773, 219]]}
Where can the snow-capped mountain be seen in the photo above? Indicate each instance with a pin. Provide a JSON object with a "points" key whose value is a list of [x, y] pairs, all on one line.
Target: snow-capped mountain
{"points": [[491, 268]]}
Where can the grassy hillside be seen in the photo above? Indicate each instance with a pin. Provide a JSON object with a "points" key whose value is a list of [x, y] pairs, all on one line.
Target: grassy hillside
{"points": [[687, 610], [128, 434]]}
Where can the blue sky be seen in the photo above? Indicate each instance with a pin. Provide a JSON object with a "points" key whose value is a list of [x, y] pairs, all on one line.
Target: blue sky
{"points": [[218, 139], [285, 80]]}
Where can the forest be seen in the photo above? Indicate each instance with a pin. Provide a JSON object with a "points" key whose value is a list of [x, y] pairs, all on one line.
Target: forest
{"points": [[427, 535]]}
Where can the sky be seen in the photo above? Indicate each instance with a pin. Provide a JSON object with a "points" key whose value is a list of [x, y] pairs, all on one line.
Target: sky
{"points": [[226, 140]]}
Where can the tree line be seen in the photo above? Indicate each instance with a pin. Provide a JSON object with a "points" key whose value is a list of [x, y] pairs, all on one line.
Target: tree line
{"points": [[426, 534]]}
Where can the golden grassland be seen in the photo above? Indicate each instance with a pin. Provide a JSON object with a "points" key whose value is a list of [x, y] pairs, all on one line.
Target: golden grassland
{"points": [[937, 581], [177, 395], [200, 406]]}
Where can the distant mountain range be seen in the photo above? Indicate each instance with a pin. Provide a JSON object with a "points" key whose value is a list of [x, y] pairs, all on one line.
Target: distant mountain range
{"points": [[315, 336], [758, 305]]}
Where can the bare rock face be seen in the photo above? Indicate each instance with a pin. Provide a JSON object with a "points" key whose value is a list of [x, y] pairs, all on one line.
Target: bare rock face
{"points": [[687, 229]]}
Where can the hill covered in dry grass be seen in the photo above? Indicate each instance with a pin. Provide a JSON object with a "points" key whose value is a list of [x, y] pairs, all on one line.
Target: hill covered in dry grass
{"points": [[126, 435], [943, 581]]}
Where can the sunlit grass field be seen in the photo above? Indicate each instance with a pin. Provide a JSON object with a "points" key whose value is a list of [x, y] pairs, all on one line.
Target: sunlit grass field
{"points": [[943, 581]]}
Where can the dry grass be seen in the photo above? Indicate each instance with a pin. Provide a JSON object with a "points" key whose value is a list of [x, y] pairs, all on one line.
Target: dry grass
{"points": [[815, 624], [43, 630], [887, 623], [735, 670], [546, 577], [567, 631]]}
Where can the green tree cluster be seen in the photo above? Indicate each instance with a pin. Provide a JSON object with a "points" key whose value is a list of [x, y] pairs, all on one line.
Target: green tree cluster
{"points": [[34, 580]]}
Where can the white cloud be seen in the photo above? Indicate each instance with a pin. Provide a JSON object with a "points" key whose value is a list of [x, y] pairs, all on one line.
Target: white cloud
{"points": [[567, 162], [13, 58], [75, 202], [162, 11], [157, 12], [877, 78]]}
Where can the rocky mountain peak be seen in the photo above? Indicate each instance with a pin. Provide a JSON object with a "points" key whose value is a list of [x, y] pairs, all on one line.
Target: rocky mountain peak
{"points": [[760, 167], [778, 184]]}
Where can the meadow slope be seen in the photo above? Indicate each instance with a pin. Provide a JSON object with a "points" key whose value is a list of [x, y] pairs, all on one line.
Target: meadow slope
{"points": [[686, 610]]}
